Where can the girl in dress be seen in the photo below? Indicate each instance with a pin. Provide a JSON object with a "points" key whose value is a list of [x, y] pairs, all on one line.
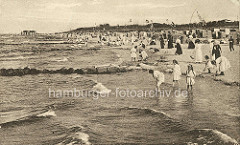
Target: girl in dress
{"points": [[190, 75], [133, 53], [208, 64], [176, 72]]}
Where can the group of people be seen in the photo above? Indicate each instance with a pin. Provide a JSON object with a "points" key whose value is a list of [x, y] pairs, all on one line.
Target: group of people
{"points": [[190, 75], [139, 53], [215, 62], [217, 59]]}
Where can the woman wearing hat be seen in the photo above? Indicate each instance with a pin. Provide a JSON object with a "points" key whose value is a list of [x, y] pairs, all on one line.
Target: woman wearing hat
{"points": [[198, 52], [217, 51], [190, 43], [179, 48]]}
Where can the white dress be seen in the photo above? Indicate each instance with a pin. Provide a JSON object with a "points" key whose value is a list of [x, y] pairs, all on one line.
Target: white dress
{"points": [[159, 76], [190, 77], [210, 51], [223, 64], [176, 72], [133, 53], [144, 54], [198, 53]]}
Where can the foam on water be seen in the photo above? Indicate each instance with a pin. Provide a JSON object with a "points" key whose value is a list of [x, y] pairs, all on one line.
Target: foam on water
{"points": [[101, 89], [212, 136], [75, 136], [47, 114]]}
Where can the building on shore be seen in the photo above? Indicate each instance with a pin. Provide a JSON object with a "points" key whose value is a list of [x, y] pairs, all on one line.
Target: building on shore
{"points": [[28, 33]]}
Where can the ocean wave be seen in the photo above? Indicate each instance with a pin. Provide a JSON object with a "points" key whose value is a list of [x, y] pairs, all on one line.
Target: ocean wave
{"points": [[76, 136], [64, 59], [15, 118], [47, 114], [149, 111], [212, 136]]}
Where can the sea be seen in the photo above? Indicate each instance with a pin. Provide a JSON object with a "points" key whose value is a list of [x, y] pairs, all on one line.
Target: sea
{"points": [[38, 109]]}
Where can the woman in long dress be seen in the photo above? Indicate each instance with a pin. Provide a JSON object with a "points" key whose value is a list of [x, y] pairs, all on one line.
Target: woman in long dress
{"points": [[178, 46], [210, 50], [222, 64], [217, 51], [198, 52], [176, 72], [190, 43]]}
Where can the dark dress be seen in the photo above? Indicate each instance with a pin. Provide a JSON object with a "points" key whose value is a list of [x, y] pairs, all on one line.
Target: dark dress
{"points": [[217, 51], [162, 42], [170, 41], [179, 49], [191, 45]]}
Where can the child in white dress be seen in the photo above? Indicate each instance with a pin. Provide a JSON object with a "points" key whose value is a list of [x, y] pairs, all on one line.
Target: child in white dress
{"points": [[190, 75], [133, 53]]}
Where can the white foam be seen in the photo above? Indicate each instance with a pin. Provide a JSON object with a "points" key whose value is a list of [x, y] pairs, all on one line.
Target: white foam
{"points": [[48, 113], [84, 137], [101, 89], [222, 136]]}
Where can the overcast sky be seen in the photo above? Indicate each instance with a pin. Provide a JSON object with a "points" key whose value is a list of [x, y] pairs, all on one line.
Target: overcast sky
{"points": [[62, 15]]}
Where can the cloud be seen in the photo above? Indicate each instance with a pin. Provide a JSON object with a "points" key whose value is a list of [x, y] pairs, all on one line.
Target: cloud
{"points": [[95, 2], [236, 2], [153, 5], [62, 5]]}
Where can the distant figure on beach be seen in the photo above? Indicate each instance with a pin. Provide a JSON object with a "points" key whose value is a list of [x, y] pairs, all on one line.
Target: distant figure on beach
{"points": [[162, 42], [133, 53], [143, 45], [179, 48], [159, 76], [216, 51], [210, 49], [191, 45], [190, 75], [144, 55], [198, 52], [208, 64], [176, 72], [222, 64], [231, 41], [170, 41]]}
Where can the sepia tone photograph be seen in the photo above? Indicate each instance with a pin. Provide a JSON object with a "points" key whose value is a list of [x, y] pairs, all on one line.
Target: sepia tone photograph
{"points": [[126, 72]]}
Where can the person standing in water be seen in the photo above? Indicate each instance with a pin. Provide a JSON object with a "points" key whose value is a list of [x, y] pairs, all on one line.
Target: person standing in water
{"points": [[190, 75], [176, 72], [231, 41], [159, 76]]}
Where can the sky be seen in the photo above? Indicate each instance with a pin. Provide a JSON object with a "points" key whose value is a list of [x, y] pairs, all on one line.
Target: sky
{"points": [[62, 15]]}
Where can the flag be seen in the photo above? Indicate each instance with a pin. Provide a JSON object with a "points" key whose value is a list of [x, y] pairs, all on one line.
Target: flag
{"points": [[130, 20]]}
